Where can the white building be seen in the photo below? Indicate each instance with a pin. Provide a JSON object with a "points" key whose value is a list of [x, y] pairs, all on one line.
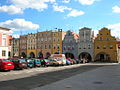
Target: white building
{"points": [[85, 44], [4, 42]]}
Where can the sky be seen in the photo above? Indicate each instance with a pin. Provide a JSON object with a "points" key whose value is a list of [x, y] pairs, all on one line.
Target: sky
{"points": [[31, 16]]}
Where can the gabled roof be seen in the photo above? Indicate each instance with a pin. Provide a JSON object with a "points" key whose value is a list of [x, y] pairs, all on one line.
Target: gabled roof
{"points": [[76, 36]]}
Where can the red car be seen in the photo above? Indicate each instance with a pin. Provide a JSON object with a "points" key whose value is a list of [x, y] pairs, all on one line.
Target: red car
{"points": [[6, 64], [71, 61]]}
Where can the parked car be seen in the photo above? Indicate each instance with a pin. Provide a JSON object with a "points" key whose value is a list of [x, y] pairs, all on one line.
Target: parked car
{"points": [[71, 61], [6, 64], [68, 62], [37, 62], [19, 63], [47, 62], [30, 63], [54, 63], [60, 58]]}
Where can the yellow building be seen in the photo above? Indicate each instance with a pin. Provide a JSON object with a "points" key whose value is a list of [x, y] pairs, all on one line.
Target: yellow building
{"points": [[105, 46], [49, 42], [31, 45]]}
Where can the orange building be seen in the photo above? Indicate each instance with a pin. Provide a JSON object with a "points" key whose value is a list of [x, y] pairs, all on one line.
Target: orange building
{"points": [[105, 47], [49, 42]]}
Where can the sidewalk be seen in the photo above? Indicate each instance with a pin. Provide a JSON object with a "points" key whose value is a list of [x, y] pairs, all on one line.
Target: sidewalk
{"points": [[103, 78]]}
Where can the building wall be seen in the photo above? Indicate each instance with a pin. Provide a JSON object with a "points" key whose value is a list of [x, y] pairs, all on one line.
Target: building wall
{"points": [[70, 44], [15, 47], [85, 43], [31, 44], [105, 43], [4, 41], [23, 45], [3, 48], [44, 43], [0, 39], [49, 42]]}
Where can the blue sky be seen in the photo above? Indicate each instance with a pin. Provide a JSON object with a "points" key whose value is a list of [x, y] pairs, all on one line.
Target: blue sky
{"points": [[40, 15]]}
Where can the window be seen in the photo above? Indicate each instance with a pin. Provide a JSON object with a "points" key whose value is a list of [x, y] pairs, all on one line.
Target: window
{"points": [[111, 46], [104, 47], [4, 42], [98, 47], [100, 38], [89, 46], [45, 47], [49, 46], [3, 53], [107, 38]]}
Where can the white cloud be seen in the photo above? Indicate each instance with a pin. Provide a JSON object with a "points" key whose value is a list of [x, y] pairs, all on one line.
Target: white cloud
{"points": [[115, 29], [19, 24], [86, 2], [18, 6], [66, 1], [75, 13], [116, 9], [11, 9], [60, 8]]}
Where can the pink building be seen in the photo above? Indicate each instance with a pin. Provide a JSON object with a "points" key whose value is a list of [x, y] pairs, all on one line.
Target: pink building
{"points": [[4, 42]]}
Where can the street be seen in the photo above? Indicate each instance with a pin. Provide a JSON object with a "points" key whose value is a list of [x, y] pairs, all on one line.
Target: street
{"points": [[37, 77]]}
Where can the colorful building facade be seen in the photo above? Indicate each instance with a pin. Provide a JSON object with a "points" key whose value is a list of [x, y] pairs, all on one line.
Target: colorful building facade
{"points": [[70, 45], [32, 45], [49, 42], [4, 42], [105, 47], [15, 48], [23, 46], [85, 44]]}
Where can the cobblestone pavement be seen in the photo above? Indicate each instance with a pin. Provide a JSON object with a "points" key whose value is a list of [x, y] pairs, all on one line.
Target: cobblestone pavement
{"points": [[37, 77]]}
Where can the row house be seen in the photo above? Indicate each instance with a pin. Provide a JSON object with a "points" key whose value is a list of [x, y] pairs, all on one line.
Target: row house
{"points": [[23, 46], [5, 42], [41, 44], [32, 45], [49, 42], [70, 45], [105, 47], [85, 44], [15, 47]]}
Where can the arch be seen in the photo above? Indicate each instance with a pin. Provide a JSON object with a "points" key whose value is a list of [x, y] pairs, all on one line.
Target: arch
{"points": [[48, 55], [69, 55], [40, 55], [32, 55], [102, 57], [56, 53], [23, 55], [86, 56]]}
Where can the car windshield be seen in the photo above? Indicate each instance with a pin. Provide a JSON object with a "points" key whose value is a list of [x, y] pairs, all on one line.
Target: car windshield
{"points": [[47, 60], [5, 60], [29, 60], [22, 60], [37, 60]]}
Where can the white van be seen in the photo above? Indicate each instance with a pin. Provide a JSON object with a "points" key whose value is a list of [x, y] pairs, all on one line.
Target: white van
{"points": [[60, 58]]}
